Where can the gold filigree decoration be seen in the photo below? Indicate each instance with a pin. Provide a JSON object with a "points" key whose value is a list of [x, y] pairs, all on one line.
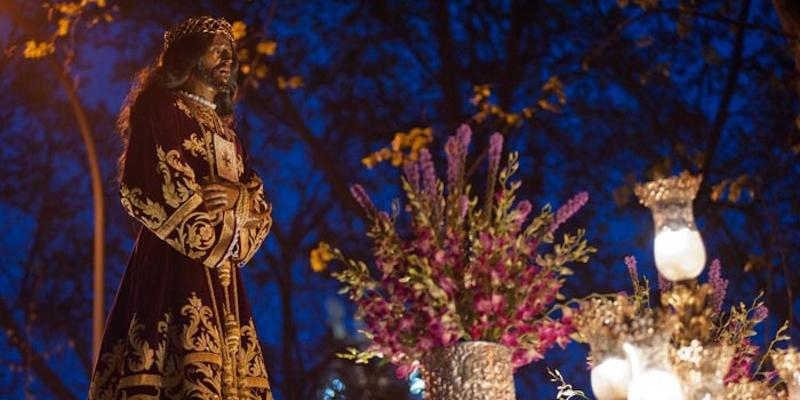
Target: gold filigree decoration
{"points": [[607, 323], [752, 390], [690, 303], [183, 107], [149, 212], [196, 147], [679, 188], [469, 371], [252, 236], [186, 361], [141, 356], [171, 166], [195, 235], [702, 368]]}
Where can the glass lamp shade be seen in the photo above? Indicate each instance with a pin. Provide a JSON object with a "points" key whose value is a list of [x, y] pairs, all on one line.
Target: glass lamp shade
{"points": [[678, 247], [610, 379], [651, 379]]}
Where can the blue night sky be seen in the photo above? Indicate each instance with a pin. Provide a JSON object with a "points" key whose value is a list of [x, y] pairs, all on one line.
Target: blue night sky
{"points": [[605, 137]]}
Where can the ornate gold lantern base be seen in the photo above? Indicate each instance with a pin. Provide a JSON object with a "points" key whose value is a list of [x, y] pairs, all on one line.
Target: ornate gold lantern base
{"points": [[469, 371]]}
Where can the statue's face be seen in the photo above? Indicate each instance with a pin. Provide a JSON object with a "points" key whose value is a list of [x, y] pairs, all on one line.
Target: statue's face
{"points": [[215, 65]]}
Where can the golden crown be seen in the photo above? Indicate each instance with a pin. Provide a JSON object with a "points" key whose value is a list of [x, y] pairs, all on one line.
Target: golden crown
{"points": [[204, 24]]}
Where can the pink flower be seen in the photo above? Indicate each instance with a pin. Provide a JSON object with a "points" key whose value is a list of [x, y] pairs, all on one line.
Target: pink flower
{"points": [[406, 323], [404, 370], [497, 303], [509, 338], [523, 209], [447, 284], [523, 357]]}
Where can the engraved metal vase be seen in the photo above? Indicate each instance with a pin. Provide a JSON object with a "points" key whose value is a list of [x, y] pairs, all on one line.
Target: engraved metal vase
{"points": [[469, 371]]}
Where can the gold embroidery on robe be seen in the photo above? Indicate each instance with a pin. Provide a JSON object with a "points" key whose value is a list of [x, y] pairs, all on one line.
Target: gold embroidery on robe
{"points": [[149, 212], [184, 361], [170, 165], [183, 107], [196, 147], [251, 237]]}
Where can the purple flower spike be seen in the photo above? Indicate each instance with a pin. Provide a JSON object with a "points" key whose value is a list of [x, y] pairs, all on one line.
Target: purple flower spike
{"points": [[362, 198], [568, 210], [630, 262], [463, 206], [411, 171], [760, 313], [428, 171], [453, 162], [456, 149], [719, 284], [495, 150]]}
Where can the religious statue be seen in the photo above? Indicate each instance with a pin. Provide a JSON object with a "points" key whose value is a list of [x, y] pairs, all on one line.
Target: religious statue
{"points": [[181, 326]]}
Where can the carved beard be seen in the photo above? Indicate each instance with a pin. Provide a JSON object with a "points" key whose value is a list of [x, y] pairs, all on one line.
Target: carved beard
{"points": [[207, 75]]}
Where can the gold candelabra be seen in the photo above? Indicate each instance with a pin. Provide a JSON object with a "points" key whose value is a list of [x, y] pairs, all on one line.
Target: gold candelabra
{"points": [[669, 353]]}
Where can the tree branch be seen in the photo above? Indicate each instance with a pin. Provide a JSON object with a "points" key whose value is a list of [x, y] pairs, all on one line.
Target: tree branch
{"points": [[43, 371], [723, 111]]}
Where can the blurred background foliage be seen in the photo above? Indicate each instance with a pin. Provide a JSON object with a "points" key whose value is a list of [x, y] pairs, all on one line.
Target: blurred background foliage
{"points": [[595, 95]]}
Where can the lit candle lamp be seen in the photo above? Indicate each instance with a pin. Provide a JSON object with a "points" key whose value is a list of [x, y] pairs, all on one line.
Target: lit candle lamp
{"points": [[678, 247]]}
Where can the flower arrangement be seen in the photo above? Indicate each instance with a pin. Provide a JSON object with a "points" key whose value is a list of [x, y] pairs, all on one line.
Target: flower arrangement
{"points": [[462, 272]]}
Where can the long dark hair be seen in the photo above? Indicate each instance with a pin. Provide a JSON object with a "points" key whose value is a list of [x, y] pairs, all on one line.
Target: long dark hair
{"points": [[170, 71]]}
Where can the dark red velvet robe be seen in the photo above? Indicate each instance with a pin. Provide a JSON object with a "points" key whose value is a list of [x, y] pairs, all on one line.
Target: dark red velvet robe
{"points": [[167, 334]]}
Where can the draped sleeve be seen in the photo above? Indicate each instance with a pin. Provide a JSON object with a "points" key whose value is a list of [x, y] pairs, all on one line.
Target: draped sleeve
{"points": [[252, 233], [166, 160]]}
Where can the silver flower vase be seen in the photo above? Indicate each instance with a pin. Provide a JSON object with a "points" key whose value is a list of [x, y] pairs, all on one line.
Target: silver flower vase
{"points": [[469, 371]]}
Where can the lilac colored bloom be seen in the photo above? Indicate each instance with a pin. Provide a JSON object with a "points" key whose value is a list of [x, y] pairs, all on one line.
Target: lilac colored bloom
{"points": [[568, 210], [495, 151], [523, 209], [463, 206], [453, 162], [411, 171], [464, 135], [630, 262], [719, 284], [456, 150], [760, 313], [428, 171], [362, 198]]}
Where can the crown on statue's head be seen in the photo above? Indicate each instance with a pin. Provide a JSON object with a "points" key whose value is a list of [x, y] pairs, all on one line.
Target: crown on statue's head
{"points": [[203, 24]]}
